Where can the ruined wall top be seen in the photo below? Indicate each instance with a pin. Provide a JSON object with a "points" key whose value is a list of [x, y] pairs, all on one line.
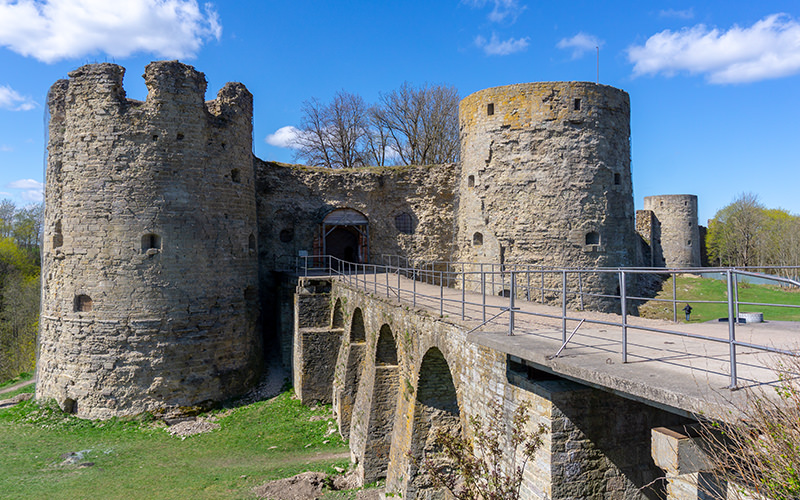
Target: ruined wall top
{"points": [[170, 84]]}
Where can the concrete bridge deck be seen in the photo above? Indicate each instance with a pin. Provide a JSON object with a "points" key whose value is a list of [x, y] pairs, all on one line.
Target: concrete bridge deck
{"points": [[678, 372]]}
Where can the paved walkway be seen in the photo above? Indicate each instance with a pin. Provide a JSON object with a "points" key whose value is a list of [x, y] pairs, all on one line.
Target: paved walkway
{"points": [[671, 370], [16, 386]]}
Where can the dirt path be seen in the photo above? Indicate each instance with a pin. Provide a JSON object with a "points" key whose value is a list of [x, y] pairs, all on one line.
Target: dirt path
{"points": [[17, 386]]}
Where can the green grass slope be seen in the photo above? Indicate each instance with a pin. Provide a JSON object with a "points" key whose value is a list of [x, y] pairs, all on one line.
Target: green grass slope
{"points": [[134, 459], [691, 289]]}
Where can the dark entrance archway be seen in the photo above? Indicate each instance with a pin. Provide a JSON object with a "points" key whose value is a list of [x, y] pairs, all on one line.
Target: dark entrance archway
{"points": [[345, 235], [342, 243]]}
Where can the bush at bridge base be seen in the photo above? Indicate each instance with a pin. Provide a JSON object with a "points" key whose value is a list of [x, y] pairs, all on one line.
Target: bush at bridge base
{"points": [[759, 456]]}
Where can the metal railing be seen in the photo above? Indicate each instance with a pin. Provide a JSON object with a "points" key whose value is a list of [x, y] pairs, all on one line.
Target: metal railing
{"points": [[451, 282]]}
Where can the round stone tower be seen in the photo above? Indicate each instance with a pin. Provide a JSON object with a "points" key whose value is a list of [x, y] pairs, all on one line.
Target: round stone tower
{"points": [[149, 298], [546, 178], [675, 240]]}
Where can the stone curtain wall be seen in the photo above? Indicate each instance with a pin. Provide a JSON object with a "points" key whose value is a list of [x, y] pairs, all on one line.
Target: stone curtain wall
{"points": [[546, 177], [294, 200], [676, 241], [150, 261]]}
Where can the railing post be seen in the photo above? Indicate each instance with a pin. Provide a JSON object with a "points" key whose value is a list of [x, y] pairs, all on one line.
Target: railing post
{"points": [[563, 305], [674, 298], [386, 270], [580, 288], [511, 294], [441, 295], [398, 281], [375, 278], [483, 293], [623, 298], [542, 285], [463, 290], [492, 279], [414, 286], [731, 331], [528, 286], [736, 294]]}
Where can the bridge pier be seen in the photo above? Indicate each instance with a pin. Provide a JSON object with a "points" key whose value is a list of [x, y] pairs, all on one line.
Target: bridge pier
{"points": [[315, 341], [679, 451], [349, 366]]}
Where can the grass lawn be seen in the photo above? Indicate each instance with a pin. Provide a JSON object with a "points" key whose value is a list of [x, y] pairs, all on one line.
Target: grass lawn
{"points": [[138, 459], [690, 289]]}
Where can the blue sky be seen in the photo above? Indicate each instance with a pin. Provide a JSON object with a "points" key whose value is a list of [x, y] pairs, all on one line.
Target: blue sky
{"points": [[713, 85]]}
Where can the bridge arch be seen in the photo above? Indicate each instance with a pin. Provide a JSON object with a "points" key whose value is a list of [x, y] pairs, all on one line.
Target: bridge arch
{"points": [[357, 332], [435, 408], [386, 350], [380, 402], [349, 366], [337, 319]]}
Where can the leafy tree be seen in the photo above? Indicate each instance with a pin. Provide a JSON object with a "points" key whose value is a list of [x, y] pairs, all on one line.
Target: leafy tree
{"points": [[19, 321], [27, 225], [745, 233], [19, 287], [734, 232]]}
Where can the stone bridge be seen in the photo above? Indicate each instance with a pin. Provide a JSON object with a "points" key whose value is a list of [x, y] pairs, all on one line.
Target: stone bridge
{"points": [[396, 371]]}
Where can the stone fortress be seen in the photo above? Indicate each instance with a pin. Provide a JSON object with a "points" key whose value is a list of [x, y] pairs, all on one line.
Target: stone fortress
{"points": [[165, 238]]}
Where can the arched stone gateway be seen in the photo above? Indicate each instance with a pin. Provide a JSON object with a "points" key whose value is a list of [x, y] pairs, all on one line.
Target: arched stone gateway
{"points": [[345, 235], [348, 372], [436, 408], [375, 408]]}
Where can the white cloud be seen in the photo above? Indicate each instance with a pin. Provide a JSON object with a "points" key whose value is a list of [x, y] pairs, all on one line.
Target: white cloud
{"points": [[770, 48], [32, 190], [5, 194], [25, 184], [51, 30], [285, 137], [5, 148], [495, 47], [13, 100], [680, 14], [502, 10], [580, 44]]}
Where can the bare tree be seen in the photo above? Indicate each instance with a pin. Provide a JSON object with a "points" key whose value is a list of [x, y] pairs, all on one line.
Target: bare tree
{"points": [[411, 126], [333, 135], [422, 123], [7, 210], [377, 150]]}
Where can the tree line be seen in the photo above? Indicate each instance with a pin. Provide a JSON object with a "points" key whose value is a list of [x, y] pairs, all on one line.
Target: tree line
{"points": [[20, 228], [408, 126], [746, 233]]}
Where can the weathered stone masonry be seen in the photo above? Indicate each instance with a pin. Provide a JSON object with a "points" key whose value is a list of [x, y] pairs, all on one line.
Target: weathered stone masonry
{"points": [[166, 243]]}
